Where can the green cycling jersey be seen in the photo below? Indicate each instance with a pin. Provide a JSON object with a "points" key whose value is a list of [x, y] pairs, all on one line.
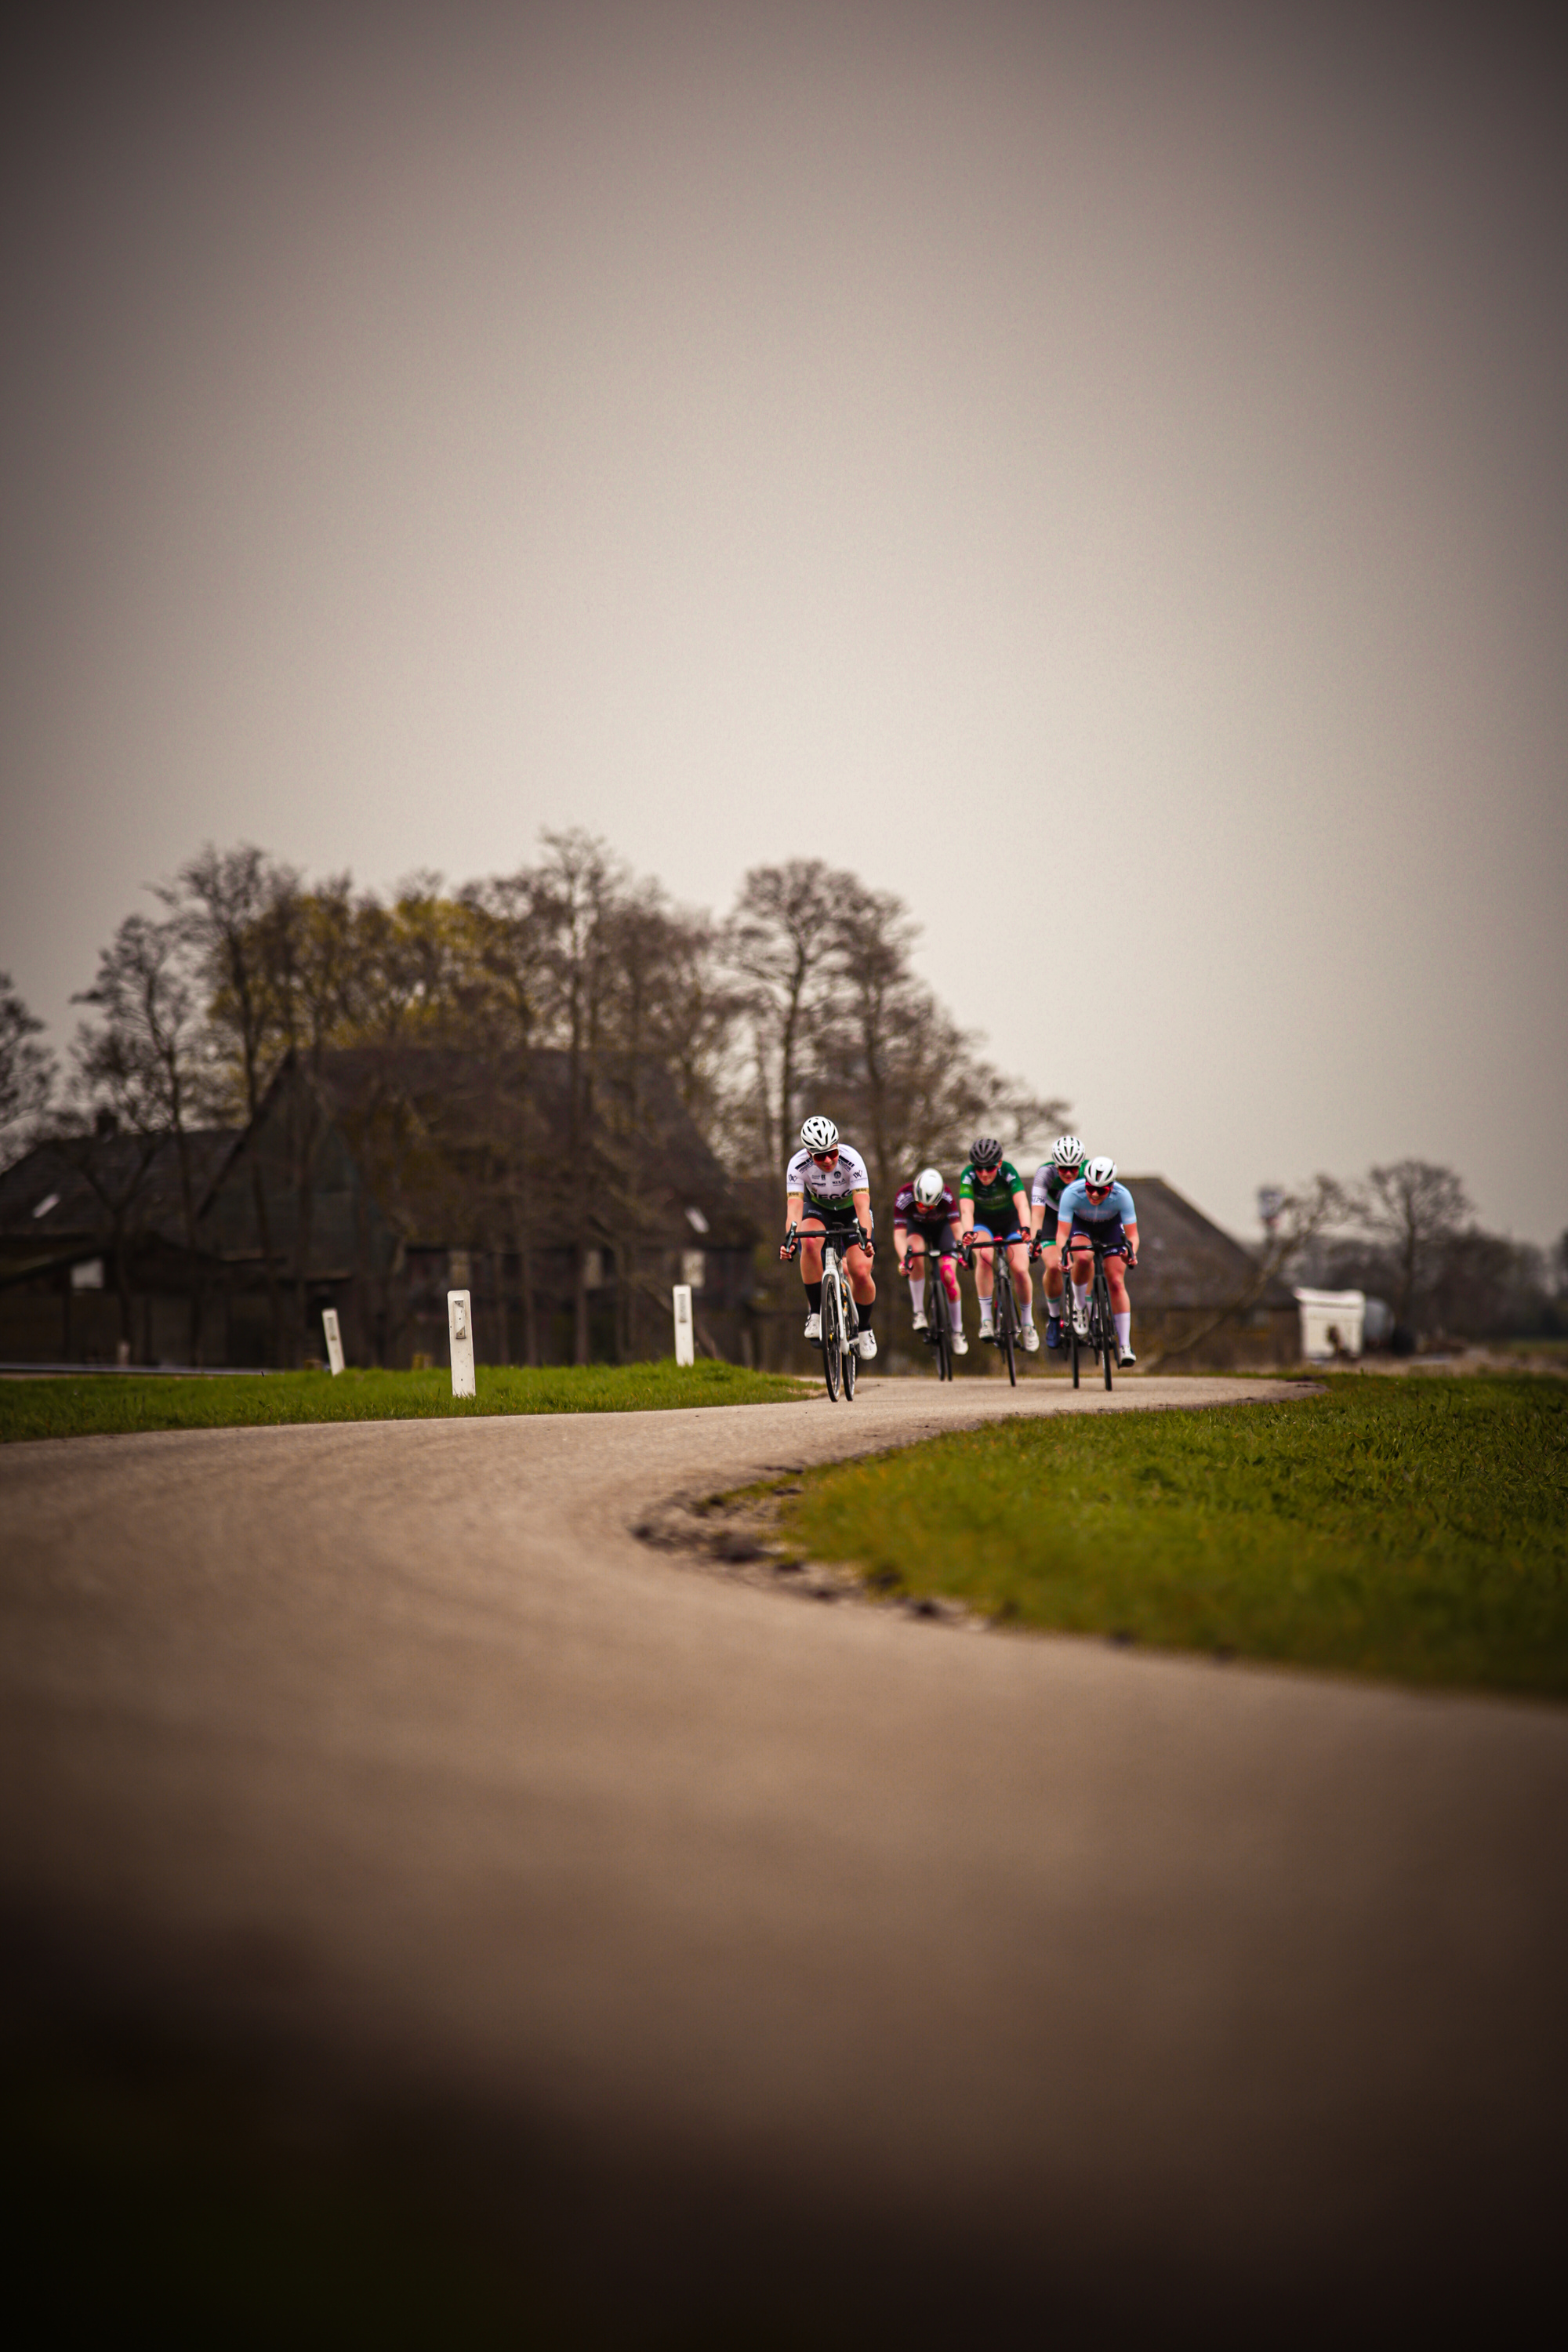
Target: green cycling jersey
{"points": [[994, 1203]]}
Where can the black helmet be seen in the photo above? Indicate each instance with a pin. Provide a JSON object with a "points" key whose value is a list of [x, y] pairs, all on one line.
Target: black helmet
{"points": [[985, 1151]]}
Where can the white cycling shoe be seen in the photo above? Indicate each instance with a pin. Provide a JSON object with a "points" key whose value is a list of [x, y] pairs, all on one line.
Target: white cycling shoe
{"points": [[1128, 1359], [960, 1344], [1029, 1340], [1081, 1321], [920, 1323], [866, 1346], [813, 1329]]}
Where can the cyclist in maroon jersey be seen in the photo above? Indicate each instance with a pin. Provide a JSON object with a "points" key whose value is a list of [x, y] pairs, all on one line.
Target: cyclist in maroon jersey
{"points": [[923, 1227]]}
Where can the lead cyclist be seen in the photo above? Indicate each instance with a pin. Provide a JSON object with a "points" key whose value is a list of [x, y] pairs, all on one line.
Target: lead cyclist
{"points": [[827, 1183]]}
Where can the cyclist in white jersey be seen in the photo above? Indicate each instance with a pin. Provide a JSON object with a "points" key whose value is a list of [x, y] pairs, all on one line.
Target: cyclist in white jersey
{"points": [[827, 1189]]}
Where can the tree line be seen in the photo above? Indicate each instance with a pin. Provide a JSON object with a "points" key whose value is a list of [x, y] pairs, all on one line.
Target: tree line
{"points": [[804, 995]]}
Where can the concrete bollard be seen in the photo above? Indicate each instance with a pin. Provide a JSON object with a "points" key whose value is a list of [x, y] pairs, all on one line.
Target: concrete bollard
{"points": [[460, 1331], [685, 1351], [334, 1338]]}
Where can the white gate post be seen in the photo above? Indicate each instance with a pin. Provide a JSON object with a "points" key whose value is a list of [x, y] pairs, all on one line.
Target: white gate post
{"points": [[335, 1340], [684, 1351], [460, 1331]]}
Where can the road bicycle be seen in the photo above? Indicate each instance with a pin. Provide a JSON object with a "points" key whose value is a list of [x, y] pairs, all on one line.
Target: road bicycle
{"points": [[840, 1316], [1101, 1338], [938, 1333], [1004, 1329]]}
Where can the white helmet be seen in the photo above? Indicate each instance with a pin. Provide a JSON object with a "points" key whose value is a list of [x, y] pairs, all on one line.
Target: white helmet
{"points": [[1067, 1151], [819, 1135], [1101, 1171], [929, 1187]]}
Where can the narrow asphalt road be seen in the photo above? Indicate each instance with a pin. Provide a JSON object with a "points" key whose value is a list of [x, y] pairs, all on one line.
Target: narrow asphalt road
{"points": [[1130, 1981]]}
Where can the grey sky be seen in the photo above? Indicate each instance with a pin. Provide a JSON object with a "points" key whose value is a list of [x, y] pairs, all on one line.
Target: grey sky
{"points": [[944, 440]]}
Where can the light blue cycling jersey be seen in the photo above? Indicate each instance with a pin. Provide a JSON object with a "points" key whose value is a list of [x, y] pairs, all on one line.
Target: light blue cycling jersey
{"points": [[1075, 1207]]}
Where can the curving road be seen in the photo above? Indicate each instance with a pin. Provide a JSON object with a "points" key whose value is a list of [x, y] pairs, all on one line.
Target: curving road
{"points": [[1009, 1966]]}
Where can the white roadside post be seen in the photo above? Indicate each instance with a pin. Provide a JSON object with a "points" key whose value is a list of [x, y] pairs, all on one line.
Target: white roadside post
{"points": [[460, 1330], [684, 1351], [335, 1340]]}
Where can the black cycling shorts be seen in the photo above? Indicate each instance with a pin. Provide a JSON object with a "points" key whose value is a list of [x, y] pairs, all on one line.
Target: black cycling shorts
{"points": [[940, 1239], [1108, 1233], [843, 1231]]}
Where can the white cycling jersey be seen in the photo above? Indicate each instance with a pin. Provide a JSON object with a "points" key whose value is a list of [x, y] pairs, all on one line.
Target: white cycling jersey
{"points": [[828, 1189]]}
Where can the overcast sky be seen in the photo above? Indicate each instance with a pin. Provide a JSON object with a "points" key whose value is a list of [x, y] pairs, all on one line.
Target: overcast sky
{"points": [[1098, 472]]}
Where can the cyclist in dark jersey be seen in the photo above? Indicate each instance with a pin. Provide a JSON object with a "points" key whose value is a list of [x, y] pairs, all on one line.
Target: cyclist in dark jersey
{"points": [[992, 1203], [923, 1212], [1052, 1178]]}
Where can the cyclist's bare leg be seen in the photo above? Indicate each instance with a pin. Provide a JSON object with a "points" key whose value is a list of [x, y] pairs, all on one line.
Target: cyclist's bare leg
{"points": [[1022, 1285], [1116, 1281], [1052, 1260], [915, 1267], [811, 1252], [985, 1280], [862, 1281], [949, 1281]]}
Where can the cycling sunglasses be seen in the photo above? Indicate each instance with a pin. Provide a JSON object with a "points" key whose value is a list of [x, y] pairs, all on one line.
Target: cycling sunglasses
{"points": [[825, 1159], [1096, 1192]]}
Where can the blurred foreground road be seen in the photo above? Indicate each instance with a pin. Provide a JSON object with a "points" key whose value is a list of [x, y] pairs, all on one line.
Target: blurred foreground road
{"points": [[1003, 1970]]}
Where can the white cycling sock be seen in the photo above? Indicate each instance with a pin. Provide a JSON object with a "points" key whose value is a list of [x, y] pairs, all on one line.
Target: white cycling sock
{"points": [[1080, 1292], [1123, 1330], [956, 1307], [985, 1315], [918, 1290], [1026, 1310]]}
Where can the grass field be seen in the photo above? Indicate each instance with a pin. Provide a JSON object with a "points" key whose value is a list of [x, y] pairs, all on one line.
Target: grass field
{"points": [[1412, 1529], [119, 1403]]}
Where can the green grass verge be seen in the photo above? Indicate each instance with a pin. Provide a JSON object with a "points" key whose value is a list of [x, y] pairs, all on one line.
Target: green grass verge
{"points": [[119, 1403], [1411, 1529]]}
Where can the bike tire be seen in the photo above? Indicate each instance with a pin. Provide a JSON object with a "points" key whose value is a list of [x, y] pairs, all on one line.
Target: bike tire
{"points": [[851, 1360], [1072, 1327], [1107, 1326], [944, 1330], [1007, 1320], [831, 1338]]}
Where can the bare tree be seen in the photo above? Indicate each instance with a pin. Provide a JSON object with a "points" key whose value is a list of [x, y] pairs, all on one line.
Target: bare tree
{"points": [[1416, 1211], [27, 1070], [147, 1054], [784, 944], [222, 899]]}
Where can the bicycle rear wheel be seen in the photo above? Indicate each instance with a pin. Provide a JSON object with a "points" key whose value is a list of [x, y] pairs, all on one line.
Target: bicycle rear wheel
{"points": [[831, 1337], [1107, 1327]]}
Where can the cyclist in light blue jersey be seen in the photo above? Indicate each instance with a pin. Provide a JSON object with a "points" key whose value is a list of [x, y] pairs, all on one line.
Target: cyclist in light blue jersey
{"points": [[1098, 1206]]}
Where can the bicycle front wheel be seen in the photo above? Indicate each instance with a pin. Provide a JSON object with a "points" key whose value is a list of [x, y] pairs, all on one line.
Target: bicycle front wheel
{"points": [[1007, 1323], [851, 1356], [941, 1331], [832, 1338], [1107, 1326]]}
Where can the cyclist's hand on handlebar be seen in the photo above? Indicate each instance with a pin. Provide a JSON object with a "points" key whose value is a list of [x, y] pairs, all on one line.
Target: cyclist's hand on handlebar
{"points": [[866, 1243], [788, 1246]]}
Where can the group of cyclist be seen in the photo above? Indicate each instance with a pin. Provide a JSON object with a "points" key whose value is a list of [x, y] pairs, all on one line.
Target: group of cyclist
{"points": [[829, 1194]]}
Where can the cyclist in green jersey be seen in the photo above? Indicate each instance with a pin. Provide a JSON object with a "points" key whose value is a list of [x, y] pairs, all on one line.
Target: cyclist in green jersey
{"points": [[993, 1204], [1052, 1178]]}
